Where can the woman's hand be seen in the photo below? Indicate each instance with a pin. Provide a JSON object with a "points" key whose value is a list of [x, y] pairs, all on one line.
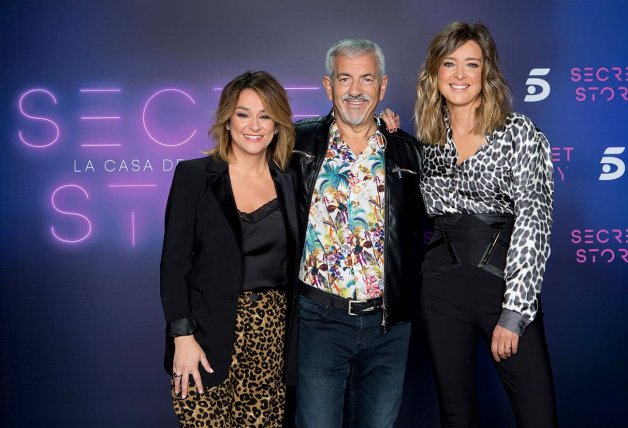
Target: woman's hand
{"points": [[187, 355], [391, 119], [505, 343]]}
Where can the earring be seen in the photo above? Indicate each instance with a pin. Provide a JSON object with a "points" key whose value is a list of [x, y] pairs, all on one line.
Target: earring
{"points": [[228, 127], [276, 130]]}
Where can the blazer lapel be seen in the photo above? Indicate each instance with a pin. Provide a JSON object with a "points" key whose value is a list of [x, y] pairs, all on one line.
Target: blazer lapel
{"points": [[220, 185], [285, 194]]}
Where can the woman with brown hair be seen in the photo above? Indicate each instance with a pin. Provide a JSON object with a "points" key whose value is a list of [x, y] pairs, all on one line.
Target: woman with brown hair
{"points": [[487, 182], [228, 264]]}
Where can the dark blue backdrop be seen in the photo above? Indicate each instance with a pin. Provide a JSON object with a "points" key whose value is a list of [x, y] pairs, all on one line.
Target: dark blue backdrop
{"points": [[99, 99]]}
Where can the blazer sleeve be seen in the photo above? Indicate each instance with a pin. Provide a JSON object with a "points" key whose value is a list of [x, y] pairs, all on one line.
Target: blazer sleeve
{"points": [[178, 249]]}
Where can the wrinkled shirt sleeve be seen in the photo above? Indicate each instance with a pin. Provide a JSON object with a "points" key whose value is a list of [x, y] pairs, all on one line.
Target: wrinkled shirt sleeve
{"points": [[533, 180]]}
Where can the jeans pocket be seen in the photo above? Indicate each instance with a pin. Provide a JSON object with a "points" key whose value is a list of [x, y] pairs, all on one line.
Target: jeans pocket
{"points": [[309, 310]]}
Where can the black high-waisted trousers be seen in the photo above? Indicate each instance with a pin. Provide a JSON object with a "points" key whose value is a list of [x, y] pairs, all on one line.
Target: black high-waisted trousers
{"points": [[462, 293]]}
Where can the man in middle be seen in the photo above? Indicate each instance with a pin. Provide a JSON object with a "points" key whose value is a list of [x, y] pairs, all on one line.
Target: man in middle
{"points": [[359, 214]]}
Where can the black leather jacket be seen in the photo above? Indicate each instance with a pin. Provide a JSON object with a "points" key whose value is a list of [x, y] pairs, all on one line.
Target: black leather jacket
{"points": [[404, 212]]}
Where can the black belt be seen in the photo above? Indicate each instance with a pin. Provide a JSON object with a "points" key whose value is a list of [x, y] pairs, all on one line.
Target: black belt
{"points": [[470, 239], [352, 307]]}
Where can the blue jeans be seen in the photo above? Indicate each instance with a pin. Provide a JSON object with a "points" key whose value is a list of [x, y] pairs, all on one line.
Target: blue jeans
{"points": [[340, 356]]}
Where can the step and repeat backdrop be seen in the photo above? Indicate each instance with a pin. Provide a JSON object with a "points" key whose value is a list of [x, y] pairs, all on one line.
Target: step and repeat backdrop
{"points": [[99, 100]]}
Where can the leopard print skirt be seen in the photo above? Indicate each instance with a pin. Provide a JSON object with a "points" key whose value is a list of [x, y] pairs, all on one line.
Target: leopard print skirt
{"points": [[253, 394]]}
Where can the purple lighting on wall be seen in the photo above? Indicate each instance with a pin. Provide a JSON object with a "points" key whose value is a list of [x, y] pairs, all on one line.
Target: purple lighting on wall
{"points": [[288, 88], [101, 117], [118, 186], [98, 90]]}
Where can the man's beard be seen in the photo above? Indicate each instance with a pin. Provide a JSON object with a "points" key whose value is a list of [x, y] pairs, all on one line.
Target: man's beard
{"points": [[351, 116]]}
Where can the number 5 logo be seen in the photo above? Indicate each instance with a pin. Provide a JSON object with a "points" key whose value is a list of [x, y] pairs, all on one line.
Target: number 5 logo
{"points": [[534, 83], [609, 161]]}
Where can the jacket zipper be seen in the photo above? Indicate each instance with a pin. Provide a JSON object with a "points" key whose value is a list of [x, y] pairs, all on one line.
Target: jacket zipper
{"points": [[398, 170], [395, 170], [307, 155], [386, 233]]}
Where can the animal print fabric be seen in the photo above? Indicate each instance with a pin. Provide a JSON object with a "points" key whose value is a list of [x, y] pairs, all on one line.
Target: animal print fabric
{"points": [[253, 395], [512, 173]]}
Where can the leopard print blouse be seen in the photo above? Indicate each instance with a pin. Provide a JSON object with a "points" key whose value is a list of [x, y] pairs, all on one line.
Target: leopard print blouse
{"points": [[511, 174]]}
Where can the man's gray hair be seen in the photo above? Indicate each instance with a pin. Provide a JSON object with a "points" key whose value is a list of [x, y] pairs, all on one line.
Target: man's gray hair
{"points": [[351, 48]]}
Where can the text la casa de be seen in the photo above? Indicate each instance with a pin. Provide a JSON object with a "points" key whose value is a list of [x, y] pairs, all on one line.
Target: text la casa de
{"points": [[124, 165]]}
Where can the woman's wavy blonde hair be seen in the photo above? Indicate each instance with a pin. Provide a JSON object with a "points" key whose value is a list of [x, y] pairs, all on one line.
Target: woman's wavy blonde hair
{"points": [[495, 96], [275, 101]]}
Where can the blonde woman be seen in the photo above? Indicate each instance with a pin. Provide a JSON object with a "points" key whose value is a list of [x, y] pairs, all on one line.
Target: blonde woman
{"points": [[487, 182]]}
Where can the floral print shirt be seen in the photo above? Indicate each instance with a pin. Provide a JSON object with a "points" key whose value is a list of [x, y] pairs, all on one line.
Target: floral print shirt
{"points": [[344, 242]]}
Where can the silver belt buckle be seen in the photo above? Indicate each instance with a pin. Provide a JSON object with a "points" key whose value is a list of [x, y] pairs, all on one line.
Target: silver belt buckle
{"points": [[358, 301]]}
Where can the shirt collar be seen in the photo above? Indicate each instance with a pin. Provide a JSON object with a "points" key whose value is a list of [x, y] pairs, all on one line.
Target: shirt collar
{"points": [[377, 140], [490, 137]]}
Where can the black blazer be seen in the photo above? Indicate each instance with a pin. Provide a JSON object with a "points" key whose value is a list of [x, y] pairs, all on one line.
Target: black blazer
{"points": [[201, 262]]}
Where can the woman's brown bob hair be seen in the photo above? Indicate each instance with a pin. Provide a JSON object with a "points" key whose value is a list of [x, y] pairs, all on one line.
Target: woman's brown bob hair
{"points": [[276, 104], [495, 96]]}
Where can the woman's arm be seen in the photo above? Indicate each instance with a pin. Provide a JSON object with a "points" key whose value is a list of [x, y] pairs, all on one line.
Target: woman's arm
{"points": [[529, 249], [176, 264]]}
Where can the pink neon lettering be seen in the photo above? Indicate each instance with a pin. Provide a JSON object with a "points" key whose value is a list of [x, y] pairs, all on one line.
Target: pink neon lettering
{"points": [[99, 91], [610, 90], [593, 89], [130, 185], [288, 88], [152, 137], [593, 252], [618, 235], [581, 94], [617, 72], [67, 240], [101, 117], [40, 118], [133, 228], [555, 154], [598, 236], [581, 255], [90, 90], [568, 150], [608, 251]]}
